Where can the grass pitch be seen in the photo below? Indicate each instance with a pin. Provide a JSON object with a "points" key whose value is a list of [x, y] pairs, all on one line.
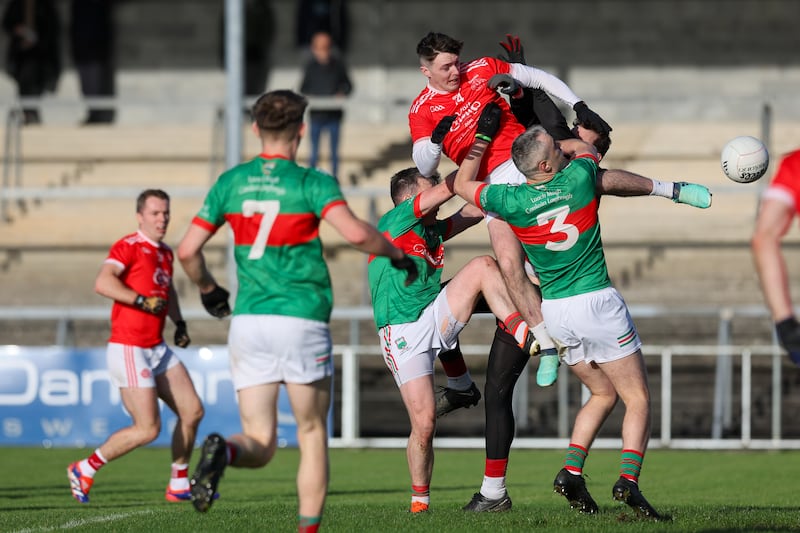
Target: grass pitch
{"points": [[708, 491]]}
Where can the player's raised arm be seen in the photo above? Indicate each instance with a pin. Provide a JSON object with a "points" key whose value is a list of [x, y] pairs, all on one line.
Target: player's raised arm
{"points": [[488, 124], [617, 182]]}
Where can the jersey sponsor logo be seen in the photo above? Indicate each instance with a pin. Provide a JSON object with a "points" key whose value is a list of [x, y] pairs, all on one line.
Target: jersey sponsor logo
{"points": [[477, 83], [437, 108], [161, 277], [435, 258], [466, 116]]}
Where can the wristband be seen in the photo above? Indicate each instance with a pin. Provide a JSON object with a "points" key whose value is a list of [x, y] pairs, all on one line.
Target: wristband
{"points": [[483, 137]]}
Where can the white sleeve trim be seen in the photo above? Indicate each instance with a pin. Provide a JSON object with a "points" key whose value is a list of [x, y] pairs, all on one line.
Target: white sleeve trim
{"points": [[779, 193], [426, 156], [539, 79]]}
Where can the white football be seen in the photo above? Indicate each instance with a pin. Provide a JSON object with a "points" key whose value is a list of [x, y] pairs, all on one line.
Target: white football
{"points": [[744, 159]]}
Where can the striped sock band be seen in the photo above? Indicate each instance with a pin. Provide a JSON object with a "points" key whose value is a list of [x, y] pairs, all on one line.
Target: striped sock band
{"points": [[631, 465], [576, 457]]}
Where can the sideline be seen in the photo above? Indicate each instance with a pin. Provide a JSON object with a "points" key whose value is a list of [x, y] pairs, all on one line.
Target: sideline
{"points": [[72, 524]]}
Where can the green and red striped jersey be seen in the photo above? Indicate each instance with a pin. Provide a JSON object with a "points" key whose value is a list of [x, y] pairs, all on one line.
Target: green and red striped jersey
{"points": [[558, 226], [274, 207], [392, 301]]}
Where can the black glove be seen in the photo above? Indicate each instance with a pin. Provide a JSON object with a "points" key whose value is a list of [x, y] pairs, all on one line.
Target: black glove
{"points": [[216, 302], [789, 336], [441, 129], [150, 304], [489, 122], [407, 264], [513, 48], [589, 119], [506, 84], [182, 339]]}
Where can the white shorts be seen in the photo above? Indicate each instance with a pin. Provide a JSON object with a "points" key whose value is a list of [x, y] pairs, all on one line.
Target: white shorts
{"points": [[409, 349], [278, 349], [595, 326], [504, 173], [136, 367]]}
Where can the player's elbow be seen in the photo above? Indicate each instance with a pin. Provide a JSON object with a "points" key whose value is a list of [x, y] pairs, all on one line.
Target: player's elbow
{"points": [[357, 235]]}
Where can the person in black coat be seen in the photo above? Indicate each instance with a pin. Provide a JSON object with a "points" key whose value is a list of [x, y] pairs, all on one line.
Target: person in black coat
{"points": [[92, 43], [34, 54]]}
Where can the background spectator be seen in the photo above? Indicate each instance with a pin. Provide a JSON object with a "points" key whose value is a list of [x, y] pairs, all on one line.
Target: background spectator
{"points": [[325, 74], [91, 39], [34, 54]]}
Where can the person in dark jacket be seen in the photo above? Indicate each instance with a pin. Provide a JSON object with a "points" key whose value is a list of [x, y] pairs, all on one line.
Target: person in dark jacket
{"points": [[92, 42], [325, 75], [34, 54]]}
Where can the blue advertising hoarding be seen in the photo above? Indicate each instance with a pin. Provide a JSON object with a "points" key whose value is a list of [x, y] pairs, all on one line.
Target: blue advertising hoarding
{"points": [[54, 396]]}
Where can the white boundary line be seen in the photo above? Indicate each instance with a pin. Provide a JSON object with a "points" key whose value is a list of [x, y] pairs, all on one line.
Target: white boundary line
{"points": [[72, 524]]}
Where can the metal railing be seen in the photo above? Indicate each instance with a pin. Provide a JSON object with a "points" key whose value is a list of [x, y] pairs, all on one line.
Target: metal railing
{"points": [[724, 352]]}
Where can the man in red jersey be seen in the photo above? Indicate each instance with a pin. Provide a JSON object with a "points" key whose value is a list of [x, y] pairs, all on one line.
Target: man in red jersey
{"points": [[443, 119], [137, 276], [780, 203]]}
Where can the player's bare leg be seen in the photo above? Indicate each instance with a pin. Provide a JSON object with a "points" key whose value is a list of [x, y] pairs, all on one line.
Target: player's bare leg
{"points": [[310, 405], [594, 412], [252, 448], [258, 410], [142, 405], [525, 297], [419, 400], [510, 259], [176, 389]]}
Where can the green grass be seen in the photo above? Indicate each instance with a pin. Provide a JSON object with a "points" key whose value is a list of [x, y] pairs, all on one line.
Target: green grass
{"points": [[705, 491]]}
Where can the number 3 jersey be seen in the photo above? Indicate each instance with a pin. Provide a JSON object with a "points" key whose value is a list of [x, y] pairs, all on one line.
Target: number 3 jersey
{"points": [[558, 226], [274, 207]]}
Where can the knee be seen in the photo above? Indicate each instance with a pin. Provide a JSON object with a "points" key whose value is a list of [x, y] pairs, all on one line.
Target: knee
{"points": [[424, 429], [608, 399], [194, 416], [148, 433]]}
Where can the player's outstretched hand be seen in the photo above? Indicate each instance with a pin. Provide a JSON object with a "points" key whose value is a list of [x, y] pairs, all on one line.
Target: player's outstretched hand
{"points": [[216, 302], [182, 339], [514, 50], [589, 119], [691, 194], [407, 264], [489, 122], [150, 304], [506, 84], [789, 336], [441, 129]]}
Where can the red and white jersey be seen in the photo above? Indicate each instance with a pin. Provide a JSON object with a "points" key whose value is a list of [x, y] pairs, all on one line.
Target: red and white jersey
{"points": [[431, 106], [147, 269], [785, 185]]}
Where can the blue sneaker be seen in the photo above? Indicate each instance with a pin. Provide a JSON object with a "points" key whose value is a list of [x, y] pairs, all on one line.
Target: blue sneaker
{"points": [[78, 483], [549, 362], [691, 194]]}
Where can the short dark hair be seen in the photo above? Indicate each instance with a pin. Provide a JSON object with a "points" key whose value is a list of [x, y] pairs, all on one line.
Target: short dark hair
{"points": [[404, 183], [280, 112], [147, 193], [434, 44], [603, 141]]}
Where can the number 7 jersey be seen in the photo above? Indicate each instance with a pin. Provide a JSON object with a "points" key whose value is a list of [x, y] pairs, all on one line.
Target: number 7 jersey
{"points": [[274, 207]]}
